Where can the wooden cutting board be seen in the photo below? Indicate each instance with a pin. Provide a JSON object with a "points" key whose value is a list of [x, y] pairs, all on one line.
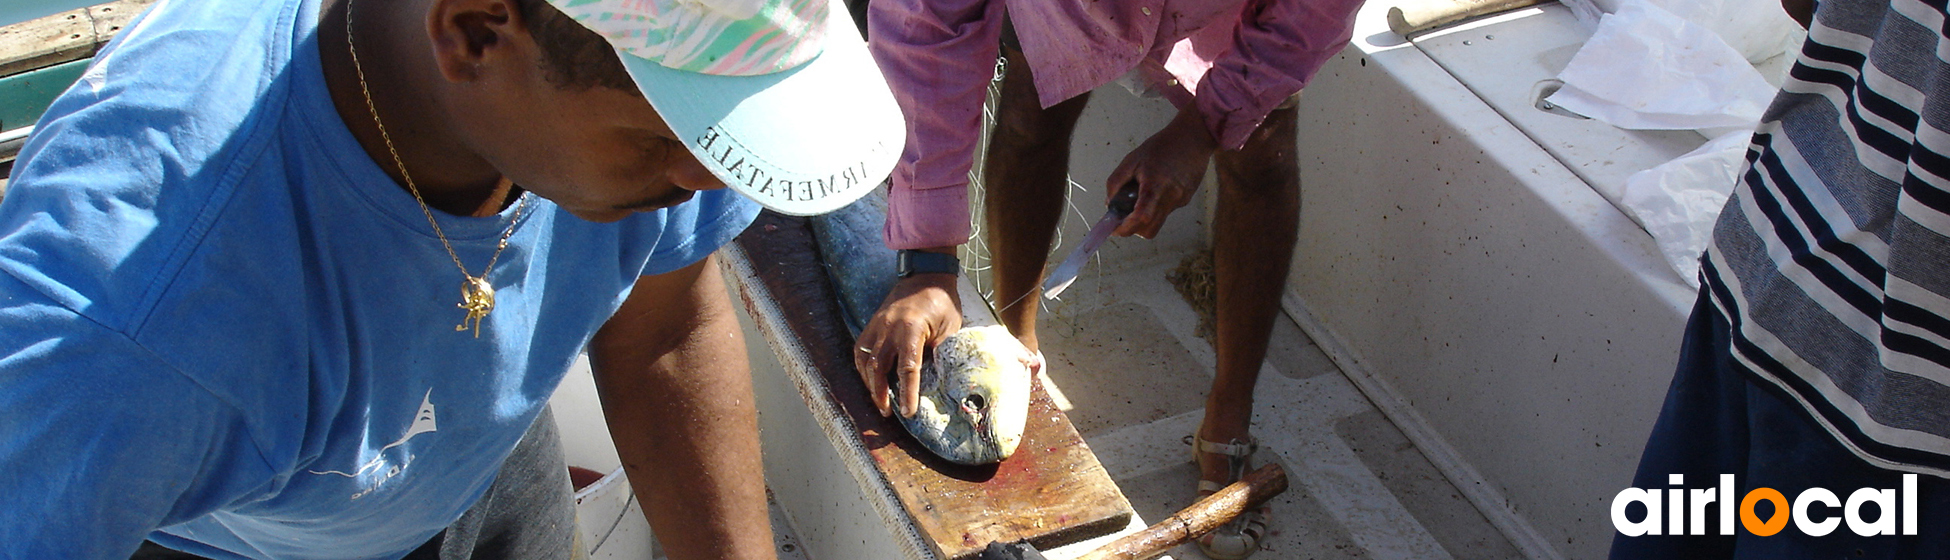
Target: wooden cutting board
{"points": [[1052, 492], [64, 37]]}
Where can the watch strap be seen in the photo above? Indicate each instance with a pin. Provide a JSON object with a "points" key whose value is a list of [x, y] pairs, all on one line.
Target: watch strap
{"points": [[926, 262]]}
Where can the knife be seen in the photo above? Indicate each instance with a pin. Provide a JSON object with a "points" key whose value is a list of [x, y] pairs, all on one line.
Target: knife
{"points": [[1066, 273]]}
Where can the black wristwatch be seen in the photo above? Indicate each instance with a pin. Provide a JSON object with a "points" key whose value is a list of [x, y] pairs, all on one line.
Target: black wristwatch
{"points": [[912, 262]]}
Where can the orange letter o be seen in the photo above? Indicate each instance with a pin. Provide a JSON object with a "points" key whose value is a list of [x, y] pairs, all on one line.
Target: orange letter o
{"points": [[1774, 524]]}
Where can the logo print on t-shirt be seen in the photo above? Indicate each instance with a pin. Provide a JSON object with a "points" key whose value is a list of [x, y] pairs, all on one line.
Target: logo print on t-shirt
{"points": [[422, 423]]}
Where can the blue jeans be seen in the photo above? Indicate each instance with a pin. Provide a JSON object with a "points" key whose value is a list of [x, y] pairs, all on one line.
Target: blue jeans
{"points": [[527, 514], [1717, 421]]}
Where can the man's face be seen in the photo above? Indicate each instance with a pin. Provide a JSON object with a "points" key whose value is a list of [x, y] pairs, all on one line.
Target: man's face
{"points": [[599, 153]]}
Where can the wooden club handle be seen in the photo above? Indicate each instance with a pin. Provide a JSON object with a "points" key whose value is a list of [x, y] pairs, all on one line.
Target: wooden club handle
{"points": [[1423, 15], [1197, 519]]}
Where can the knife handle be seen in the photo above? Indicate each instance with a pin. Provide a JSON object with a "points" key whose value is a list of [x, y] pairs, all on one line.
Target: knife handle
{"points": [[1126, 199]]}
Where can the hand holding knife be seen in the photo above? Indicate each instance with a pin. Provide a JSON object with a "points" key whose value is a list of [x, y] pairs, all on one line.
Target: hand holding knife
{"points": [[1066, 273]]}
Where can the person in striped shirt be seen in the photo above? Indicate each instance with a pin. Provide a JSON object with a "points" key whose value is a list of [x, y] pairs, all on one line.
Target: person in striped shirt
{"points": [[1818, 354]]}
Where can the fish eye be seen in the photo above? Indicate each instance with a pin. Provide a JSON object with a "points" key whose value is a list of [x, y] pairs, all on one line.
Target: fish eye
{"points": [[973, 402]]}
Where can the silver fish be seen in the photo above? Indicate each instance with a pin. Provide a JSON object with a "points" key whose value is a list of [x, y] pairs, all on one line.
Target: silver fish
{"points": [[974, 397], [974, 387]]}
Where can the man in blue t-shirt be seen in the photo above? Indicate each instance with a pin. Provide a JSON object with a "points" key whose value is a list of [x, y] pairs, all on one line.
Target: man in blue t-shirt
{"points": [[296, 278]]}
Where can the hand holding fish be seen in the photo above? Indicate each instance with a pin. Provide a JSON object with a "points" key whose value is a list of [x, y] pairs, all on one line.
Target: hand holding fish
{"points": [[1168, 168], [920, 312]]}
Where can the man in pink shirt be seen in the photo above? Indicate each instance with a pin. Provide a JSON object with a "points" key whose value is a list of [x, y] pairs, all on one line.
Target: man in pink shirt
{"points": [[1232, 67]]}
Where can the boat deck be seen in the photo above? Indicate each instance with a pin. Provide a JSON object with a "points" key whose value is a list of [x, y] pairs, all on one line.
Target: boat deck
{"points": [[1124, 354]]}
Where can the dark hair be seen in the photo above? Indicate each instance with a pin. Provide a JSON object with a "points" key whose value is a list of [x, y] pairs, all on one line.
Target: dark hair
{"points": [[573, 56]]}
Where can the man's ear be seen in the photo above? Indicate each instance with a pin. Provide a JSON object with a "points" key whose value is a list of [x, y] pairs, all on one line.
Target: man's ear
{"points": [[469, 34]]}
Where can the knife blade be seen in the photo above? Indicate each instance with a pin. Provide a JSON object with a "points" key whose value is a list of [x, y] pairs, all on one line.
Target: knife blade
{"points": [[1066, 273]]}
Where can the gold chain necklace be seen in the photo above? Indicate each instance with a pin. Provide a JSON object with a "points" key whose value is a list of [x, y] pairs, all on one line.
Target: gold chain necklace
{"points": [[476, 294]]}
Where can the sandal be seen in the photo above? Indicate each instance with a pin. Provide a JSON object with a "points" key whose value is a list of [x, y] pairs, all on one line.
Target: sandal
{"points": [[1240, 537]]}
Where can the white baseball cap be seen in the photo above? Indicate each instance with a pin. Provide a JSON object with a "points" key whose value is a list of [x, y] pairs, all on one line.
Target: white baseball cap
{"points": [[778, 98]]}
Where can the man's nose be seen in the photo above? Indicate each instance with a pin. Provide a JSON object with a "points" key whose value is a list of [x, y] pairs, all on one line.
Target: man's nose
{"points": [[689, 174]]}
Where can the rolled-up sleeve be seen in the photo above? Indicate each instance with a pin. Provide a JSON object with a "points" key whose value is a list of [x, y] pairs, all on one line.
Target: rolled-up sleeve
{"points": [[1276, 50], [938, 57]]}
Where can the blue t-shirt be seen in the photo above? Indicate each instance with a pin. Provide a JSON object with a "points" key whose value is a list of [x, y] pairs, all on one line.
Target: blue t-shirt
{"points": [[220, 321]]}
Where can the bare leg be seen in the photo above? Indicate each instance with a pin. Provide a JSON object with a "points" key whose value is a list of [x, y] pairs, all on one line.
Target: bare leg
{"points": [[1258, 220], [1027, 176]]}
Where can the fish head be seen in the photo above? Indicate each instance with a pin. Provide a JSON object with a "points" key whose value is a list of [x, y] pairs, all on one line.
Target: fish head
{"points": [[974, 397]]}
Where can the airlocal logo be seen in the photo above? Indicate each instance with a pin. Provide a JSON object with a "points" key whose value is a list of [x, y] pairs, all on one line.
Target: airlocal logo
{"points": [[374, 472], [1685, 510]]}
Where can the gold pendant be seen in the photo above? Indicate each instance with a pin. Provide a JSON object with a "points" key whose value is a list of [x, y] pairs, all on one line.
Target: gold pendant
{"points": [[477, 297]]}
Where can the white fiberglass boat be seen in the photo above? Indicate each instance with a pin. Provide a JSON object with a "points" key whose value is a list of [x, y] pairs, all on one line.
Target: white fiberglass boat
{"points": [[1475, 343]]}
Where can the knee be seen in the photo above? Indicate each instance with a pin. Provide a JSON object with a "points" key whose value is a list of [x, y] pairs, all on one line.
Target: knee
{"points": [[1268, 164], [1275, 138]]}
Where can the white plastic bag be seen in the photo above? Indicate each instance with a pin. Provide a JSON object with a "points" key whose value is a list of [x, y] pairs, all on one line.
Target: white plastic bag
{"points": [[1758, 29], [1679, 201], [1647, 69]]}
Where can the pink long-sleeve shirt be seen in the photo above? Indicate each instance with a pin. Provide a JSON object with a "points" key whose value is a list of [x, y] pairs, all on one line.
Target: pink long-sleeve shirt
{"points": [[1234, 60]]}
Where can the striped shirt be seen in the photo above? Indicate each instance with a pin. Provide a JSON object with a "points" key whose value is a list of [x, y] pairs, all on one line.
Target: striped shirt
{"points": [[1829, 261]]}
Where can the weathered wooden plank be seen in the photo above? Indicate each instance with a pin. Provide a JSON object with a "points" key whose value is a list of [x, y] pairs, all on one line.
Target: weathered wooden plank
{"points": [[47, 41], [1051, 492], [63, 37], [110, 18]]}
